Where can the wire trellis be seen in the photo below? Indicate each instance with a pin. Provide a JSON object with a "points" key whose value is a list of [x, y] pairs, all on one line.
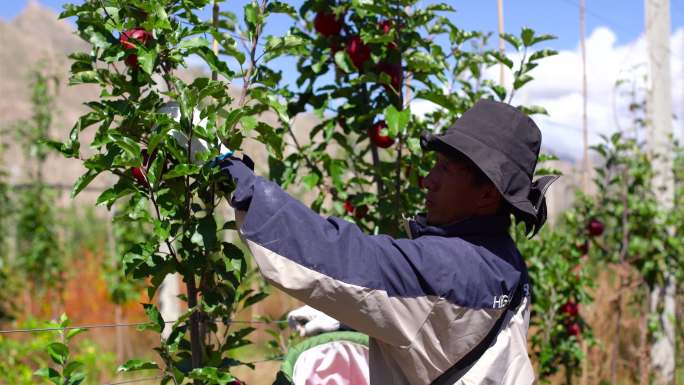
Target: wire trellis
{"points": [[132, 324]]}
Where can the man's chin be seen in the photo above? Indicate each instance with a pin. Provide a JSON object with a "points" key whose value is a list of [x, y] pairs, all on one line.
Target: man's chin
{"points": [[431, 220]]}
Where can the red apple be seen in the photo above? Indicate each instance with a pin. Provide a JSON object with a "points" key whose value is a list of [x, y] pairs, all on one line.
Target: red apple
{"points": [[583, 247], [421, 181], [386, 26], [134, 35], [376, 138], [595, 227], [361, 212], [570, 308], [394, 71], [573, 329], [128, 40], [349, 207], [131, 60], [577, 270], [358, 51], [327, 24], [139, 175]]}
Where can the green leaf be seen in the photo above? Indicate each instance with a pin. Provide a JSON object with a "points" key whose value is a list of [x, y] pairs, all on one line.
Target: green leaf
{"points": [[258, 297], [502, 58], [154, 316], [127, 144], [112, 194], [74, 332], [134, 365], [76, 379], [84, 77], [343, 61], [512, 40], [279, 107], [248, 123], [281, 7], [63, 148], [413, 145], [310, 180], [146, 60], [211, 375], [194, 43], [182, 170], [527, 35], [83, 181], [542, 54], [49, 374], [397, 121], [58, 352], [214, 63], [207, 229], [72, 367], [521, 81], [161, 18], [540, 38], [251, 12]]}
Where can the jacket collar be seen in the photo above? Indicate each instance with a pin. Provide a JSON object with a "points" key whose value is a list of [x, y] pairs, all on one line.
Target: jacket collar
{"points": [[477, 225]]}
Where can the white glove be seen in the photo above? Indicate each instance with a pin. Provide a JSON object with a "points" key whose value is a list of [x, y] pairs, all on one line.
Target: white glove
{"points": [[309, 321]]}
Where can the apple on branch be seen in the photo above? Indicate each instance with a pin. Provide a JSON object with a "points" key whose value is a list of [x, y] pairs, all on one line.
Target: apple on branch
{"points": [[376, 137]]}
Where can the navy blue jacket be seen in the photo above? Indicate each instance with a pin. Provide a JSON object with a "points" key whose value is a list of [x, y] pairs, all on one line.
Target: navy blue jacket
{"points": [[425, 302]]}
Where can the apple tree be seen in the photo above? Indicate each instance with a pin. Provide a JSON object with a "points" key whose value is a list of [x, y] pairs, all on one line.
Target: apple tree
{"points": [[38, 251], [361, 66], [558, 263], [156, 134]]}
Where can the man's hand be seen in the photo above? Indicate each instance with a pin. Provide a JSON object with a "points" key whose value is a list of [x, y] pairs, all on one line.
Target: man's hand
{"points": [[309, 321], [241, 172]]}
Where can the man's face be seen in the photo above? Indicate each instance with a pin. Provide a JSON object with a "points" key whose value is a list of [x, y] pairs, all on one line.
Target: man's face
{"points": [[451, 194]]}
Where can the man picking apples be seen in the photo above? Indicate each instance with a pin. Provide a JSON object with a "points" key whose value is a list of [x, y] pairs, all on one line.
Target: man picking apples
{"points": [[448, 305]]}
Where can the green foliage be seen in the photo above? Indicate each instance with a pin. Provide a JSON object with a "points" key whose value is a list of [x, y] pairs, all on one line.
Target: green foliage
{"points": [[38, 254], [166, 194], [417, 53], [7, 296], [561, 280], [125, 233], [64, 370]]}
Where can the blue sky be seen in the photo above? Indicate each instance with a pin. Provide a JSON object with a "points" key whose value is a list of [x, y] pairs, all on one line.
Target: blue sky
{"points": [[558, 17]]}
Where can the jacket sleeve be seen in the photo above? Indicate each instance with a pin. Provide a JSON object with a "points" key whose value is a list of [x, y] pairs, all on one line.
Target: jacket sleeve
{"points": [[366, 282]]}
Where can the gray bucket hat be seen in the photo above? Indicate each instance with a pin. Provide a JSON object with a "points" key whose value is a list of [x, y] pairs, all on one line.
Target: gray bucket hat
{"points": [[504, 143]]}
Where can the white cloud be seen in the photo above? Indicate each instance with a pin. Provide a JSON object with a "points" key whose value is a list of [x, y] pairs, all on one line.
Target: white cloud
{"points": [[558, 88]]}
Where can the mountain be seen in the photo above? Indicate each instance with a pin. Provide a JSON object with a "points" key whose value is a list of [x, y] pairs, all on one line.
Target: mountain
{"points": [[37, 39]]}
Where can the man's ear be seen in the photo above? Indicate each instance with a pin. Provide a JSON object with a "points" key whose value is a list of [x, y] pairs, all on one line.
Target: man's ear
{"points": [[490, 196]]}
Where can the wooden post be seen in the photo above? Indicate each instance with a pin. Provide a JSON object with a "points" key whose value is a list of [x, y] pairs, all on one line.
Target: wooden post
{"points": [[586, 167], [502, 44], [659, 143]]}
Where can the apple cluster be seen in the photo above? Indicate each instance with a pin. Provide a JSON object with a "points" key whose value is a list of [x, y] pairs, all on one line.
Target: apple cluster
{"points": [[330, 26], [130, 39]]}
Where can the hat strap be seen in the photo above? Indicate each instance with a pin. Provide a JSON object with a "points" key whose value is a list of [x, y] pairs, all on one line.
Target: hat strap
{"points": [[536, 197]]}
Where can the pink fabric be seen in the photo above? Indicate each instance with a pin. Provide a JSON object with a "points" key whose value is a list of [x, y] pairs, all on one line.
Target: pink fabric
{"points": [[333, 363]]}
